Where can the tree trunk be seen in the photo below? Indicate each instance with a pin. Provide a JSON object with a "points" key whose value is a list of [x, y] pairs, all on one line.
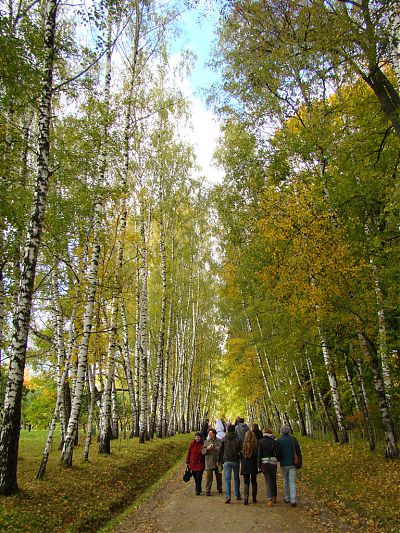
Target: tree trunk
{"points": [[128, 371], [142, 334], [392, 450], [91, 380], [2, 309], [337, 404], [92, 281], [308, 423], [105, 427], [11, 420], [162, 430], [364, 405], [317, 390], [394, 25], [158, 377]]}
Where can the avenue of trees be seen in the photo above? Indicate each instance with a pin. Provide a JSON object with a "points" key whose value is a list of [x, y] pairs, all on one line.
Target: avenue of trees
{"points": [[122, 276], [107, 279], [309, 213]]}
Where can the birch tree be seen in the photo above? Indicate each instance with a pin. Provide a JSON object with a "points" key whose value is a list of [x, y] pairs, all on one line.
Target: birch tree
{"points": [[10, 429]]}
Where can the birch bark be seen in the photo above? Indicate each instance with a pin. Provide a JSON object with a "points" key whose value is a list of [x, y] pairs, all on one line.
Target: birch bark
{"points": [[158, 377], [10, 429], [126, 357], [92, 276], [364, 405], [91, 388], [142, 333], [392, 450]]}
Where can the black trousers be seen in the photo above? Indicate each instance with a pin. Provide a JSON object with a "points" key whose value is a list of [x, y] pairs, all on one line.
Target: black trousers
{"points": [[197, 476], [246, 478]]}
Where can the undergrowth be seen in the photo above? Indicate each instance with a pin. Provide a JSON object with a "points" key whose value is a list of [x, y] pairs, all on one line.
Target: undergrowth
{"points": [[87, 495]]}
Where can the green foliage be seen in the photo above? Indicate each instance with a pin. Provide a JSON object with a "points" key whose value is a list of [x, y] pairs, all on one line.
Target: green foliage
{"points": [[39, 401]]}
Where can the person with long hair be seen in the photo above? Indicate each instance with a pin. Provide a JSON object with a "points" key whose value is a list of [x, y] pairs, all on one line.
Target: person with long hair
{"points": [[249, 469]]}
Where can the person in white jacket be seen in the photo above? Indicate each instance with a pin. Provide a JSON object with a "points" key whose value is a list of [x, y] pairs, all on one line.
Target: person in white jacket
{"points": [[221, 428]]}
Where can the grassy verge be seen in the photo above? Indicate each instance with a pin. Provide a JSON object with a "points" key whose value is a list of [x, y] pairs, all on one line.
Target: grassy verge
{"points": [[353, 482], [88, 495]]}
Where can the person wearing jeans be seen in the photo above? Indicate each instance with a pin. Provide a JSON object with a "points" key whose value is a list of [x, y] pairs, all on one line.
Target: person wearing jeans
{"points": [[285, 447], [229, 455], [289, 484], [230, 466]]}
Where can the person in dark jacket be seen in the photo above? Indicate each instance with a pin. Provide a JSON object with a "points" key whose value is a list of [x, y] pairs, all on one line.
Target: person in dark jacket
{"points": [[241, 429], [249, 465], [285, 453], [195, 461], [257, 431], [268, 464], [229, 456], [204, 429]]}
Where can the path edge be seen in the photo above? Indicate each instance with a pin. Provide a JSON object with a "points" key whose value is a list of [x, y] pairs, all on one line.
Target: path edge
{"points": [[111, 526]]}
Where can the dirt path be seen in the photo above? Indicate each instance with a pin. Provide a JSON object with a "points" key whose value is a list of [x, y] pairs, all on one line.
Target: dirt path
{"points": [[174, 507]]}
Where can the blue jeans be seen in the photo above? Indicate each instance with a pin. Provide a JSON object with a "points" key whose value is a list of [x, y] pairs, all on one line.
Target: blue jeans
{"points": [[228, 467], [289, 483]]}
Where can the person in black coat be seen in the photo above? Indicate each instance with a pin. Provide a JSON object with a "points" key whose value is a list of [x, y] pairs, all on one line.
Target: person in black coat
{"points": [[204, 429], [257, 431], [268, 464], [249, 465]]}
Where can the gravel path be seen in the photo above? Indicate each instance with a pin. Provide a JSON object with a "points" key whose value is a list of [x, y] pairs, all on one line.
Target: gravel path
{"points": [[174, 507]]}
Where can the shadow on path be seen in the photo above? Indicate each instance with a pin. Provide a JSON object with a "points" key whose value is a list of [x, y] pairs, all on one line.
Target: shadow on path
{"points": [[174, 507]]}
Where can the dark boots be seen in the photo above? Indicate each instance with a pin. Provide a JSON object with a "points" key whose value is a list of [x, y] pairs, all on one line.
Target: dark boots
{"points": [[254, 492], [246, 495]]}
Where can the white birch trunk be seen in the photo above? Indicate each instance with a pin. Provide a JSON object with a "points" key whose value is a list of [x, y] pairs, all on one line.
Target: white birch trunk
{"points": [[305, 401], [105, 413], [383, 351], [114, 413], [195, 313], [92, 281], [162, 430], [330, 371], [2, 311], [392, 450], [394, 26], [11, 420], [142, 334], [364, 405], [317, 390], [277, 416], [128, 370], [91, 388], [158, 377]]}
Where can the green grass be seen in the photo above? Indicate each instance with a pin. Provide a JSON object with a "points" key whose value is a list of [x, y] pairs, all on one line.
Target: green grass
{"points": [[88, 495], [361, 486]]}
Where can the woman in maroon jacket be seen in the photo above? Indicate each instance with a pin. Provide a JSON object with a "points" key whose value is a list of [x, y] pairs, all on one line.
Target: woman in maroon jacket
{"points": [[195, 460]]}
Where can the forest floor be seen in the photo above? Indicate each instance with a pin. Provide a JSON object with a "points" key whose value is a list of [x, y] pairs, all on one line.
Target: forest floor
{"points": [[174, 507]]}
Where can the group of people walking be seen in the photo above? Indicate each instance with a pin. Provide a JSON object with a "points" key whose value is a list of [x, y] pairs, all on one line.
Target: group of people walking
{"points": [[236, 449]]}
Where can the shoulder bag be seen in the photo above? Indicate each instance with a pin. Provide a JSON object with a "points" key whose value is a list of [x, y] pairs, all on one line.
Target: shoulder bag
{"points": [[297, 460]]}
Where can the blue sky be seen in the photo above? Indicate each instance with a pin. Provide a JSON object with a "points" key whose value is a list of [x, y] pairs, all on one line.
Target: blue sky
{"points": [[197, 34]]}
